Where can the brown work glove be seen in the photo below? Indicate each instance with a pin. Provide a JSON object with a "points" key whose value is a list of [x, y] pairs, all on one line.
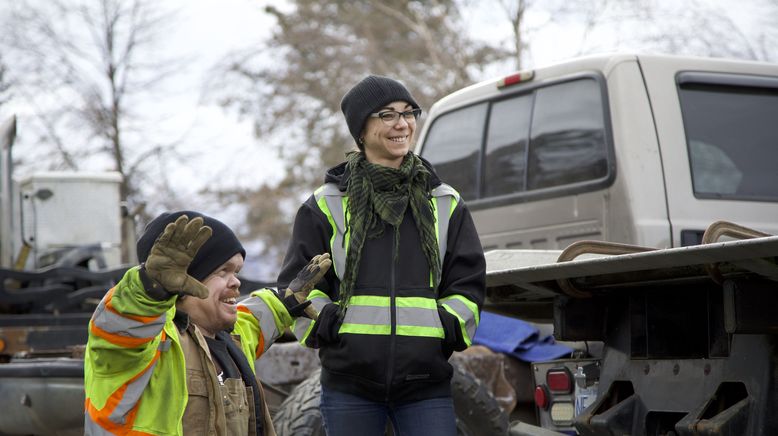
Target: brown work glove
{"points": [[295, 296], [172, 253]]}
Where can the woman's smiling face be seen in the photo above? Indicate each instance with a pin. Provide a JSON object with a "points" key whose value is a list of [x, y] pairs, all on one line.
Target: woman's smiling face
{"points": [[385, 144]]}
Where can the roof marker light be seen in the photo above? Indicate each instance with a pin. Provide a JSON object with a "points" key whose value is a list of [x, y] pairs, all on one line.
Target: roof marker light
{"points": [[513, 79]]}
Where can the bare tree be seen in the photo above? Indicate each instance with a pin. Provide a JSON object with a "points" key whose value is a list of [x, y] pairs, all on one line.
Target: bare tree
{"points": [[695, 27], [5, 84], [585, 15], [83, 66], [514, 10], [319, 50]]}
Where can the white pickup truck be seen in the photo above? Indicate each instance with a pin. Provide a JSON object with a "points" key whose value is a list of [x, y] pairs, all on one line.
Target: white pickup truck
{"points": [[645, 152]]}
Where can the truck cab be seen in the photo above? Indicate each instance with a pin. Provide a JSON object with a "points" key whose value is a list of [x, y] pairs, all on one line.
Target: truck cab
{"points": [[638, 149]]}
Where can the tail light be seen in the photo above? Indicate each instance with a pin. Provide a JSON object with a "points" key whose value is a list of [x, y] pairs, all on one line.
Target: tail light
{"points": [[559, 380]]}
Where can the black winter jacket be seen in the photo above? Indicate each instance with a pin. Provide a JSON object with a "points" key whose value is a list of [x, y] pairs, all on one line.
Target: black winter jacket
{"points": [[391, 366]]}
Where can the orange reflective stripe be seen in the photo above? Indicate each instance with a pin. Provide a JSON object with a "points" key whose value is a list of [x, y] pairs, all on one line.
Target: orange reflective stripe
{"points": [[122, 341], [139, 318], [261, 345], [102, 416], [112, 427]]}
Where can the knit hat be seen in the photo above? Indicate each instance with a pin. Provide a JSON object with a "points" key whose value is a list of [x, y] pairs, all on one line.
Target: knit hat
{"points": [[218, 249], [367, 96]]}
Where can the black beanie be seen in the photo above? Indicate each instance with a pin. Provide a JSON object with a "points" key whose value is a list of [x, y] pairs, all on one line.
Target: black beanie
{"points": [[218, 249], [367, 96]]}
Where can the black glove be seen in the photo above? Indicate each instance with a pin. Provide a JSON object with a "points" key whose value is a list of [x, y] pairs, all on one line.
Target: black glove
{"points": [[305, 281], [325, 329], [294, 307]]}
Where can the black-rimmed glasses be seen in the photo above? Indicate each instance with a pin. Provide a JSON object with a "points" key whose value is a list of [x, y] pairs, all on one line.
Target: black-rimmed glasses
{"points": [[390, 117]]}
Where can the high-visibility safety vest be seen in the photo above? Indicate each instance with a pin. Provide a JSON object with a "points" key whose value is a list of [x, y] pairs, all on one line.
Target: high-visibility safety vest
{"points": [[415, 316], [134, 366]]}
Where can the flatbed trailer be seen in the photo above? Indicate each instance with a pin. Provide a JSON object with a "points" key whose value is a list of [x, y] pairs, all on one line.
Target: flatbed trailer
{"points": [[689, 334]]}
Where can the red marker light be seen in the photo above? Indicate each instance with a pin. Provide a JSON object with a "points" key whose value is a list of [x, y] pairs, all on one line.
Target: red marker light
{"points": [[520, 77], [541, 397]]}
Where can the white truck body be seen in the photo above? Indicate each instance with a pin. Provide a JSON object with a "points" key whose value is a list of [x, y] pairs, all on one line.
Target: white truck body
{"points": [[644, 192]]}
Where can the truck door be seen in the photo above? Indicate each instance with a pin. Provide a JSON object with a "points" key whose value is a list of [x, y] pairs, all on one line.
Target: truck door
{"points": [[717, 131]]}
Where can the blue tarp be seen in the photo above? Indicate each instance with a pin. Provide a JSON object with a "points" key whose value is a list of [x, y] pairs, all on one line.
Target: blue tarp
{"points": [[517, 338]]}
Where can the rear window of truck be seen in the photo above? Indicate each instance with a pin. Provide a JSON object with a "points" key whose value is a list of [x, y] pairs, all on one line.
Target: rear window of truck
{"points": [[551, 136], [731, 134]]}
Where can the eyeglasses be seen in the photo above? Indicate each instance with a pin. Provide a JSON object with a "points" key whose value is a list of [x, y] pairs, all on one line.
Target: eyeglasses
{"points": [[390, 117]]}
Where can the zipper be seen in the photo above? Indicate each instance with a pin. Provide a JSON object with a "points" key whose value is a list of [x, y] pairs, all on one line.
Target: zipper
{"points": [[393, 323]]}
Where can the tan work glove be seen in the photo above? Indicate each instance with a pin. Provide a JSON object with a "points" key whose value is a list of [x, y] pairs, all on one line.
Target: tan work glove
{"points": [[172, 253], [296, 294]]}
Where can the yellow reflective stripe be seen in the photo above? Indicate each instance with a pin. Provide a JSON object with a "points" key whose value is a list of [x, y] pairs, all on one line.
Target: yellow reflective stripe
{"points": [[466, 312], [366, 329], [429, 332], [385, 330], [369, 300], [469, 304], [420, 302], [302, 326], [322, 203], [378, 301], [416, 316], [462, 324]]}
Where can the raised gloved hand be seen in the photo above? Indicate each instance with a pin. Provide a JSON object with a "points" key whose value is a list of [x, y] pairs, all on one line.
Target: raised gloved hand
{"points": [[172, 253], [296, 294]]}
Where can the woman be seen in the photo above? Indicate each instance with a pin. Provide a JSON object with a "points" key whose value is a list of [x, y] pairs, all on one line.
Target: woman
{"points": [[408, 278]]}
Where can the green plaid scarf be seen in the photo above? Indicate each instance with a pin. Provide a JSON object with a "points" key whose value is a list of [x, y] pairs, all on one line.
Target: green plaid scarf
{"points": [[379, 195]]}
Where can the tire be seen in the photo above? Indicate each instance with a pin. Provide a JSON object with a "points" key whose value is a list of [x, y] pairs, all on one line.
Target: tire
{"points": [[299, 414], [478, 413]]}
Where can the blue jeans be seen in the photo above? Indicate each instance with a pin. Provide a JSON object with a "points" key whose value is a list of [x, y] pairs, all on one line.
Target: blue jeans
{"points": [[350, 415]]}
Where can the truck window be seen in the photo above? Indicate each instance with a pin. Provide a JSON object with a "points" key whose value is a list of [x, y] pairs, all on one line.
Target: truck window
{"points": [[453, 146], [544, 137], [568, 135], [506, 146], [732, 138]]}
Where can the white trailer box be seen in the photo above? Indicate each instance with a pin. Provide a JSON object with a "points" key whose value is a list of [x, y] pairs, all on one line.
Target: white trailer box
{"points": [[62, 210]]}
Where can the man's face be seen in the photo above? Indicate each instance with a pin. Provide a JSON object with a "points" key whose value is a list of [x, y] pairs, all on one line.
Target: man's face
{"points": [[219, 310]]}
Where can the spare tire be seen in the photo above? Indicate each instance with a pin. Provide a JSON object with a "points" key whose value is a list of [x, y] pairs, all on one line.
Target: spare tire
{"points": [[478, 413]]}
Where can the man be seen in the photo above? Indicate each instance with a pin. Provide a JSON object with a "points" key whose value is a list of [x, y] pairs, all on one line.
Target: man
{"points": [[160, 357]]}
